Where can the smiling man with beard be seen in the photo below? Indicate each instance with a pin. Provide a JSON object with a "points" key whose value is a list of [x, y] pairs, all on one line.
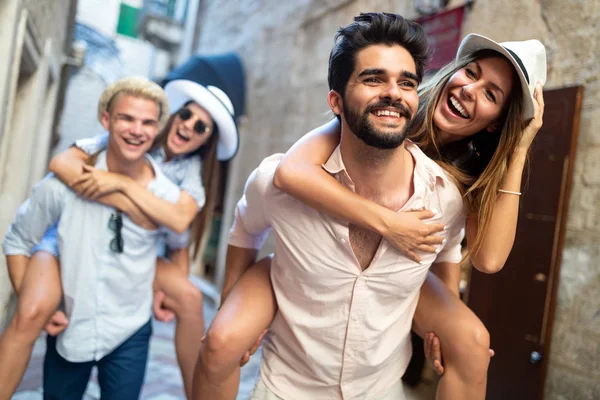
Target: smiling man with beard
{"points": [[345, 298], [390, 114]]}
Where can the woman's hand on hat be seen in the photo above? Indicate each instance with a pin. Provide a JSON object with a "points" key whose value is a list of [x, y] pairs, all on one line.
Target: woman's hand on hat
{"points": [[408, 233], [94, 183], [536, 122]]}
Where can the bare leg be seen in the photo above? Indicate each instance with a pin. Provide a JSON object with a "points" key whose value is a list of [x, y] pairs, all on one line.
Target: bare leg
{"points": [[39, 298], [464, 340], [246, 313], [185, 300]]}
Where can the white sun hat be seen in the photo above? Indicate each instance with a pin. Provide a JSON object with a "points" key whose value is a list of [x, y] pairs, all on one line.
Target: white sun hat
{"points": [[528, 57], [216, 103]]}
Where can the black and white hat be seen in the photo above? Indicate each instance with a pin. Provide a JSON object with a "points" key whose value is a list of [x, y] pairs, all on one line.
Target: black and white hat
{"points": [[216, 103], [528, 57]]}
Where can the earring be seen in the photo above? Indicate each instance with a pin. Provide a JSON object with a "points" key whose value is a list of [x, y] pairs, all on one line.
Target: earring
{"points": [[474, 148]]}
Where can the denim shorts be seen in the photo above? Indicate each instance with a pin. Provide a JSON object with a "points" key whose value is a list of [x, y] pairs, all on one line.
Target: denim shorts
{"points": [[49, 242]]}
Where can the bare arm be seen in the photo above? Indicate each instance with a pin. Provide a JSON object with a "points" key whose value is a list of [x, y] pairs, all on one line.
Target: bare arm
{"points": [[499, 235], [121, 192], [300, 174], [68, 167], [175, 216], [95, 183]]}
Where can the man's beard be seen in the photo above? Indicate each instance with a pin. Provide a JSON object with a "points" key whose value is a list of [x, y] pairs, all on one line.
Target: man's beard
{"points": [[365, 131]]}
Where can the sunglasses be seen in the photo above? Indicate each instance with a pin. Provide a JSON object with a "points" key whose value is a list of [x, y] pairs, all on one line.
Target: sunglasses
{"points": [[115, 224], [200, 126]]}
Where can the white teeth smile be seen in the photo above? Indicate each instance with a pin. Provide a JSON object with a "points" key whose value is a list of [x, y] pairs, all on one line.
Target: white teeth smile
{"points": [[133, 142], [183, 135], [458, 107], [387, 113]]}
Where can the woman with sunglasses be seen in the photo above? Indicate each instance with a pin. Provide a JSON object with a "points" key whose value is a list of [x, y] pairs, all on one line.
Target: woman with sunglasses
{"points": [[477, 118], [189, 149]]}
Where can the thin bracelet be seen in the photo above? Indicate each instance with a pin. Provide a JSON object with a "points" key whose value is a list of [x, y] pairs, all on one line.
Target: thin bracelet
{"points": [[509, 192]]}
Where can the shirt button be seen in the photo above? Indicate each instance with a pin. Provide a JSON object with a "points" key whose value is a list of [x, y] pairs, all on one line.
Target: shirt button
{"points": [[342, 240]]}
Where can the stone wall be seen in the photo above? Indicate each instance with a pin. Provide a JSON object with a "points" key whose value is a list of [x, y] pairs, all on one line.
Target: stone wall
{"points": [[34, 37], [285, 47], [52, 20]]}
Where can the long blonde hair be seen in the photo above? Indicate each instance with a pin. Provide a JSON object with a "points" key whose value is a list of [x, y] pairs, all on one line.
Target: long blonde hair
{"points": [[478, 163], [211, 180]]}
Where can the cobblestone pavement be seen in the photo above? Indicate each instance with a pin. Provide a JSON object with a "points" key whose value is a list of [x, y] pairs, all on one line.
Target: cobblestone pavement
{"points": [[163, 379]]}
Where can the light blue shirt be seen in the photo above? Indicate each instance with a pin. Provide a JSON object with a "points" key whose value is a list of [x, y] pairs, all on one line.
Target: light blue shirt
{"points": [[184, 171], [107, 295]]}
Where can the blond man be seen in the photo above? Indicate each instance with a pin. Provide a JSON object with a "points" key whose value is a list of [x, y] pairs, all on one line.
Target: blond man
{"points": [[107, 261]]}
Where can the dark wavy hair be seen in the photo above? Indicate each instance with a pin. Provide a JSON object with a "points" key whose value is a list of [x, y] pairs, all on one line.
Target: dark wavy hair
{"points": [[370, 29]]}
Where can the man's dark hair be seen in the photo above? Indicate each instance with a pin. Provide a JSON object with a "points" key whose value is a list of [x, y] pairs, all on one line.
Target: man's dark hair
{"points": [[369, 29]]}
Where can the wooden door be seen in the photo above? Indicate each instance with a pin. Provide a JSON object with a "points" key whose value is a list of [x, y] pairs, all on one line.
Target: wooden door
{"points": [[517, 304]]}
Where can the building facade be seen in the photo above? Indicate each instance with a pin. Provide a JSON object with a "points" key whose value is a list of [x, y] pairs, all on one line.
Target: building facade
{"points": [[35, 47], [285, 48], [115, 47]]}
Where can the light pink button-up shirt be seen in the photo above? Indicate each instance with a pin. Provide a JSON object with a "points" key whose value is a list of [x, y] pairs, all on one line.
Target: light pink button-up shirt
{"points": [[340, 332]]}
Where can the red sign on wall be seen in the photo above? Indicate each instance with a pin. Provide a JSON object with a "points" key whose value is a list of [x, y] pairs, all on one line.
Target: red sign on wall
{"points": [[444, 34]]}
